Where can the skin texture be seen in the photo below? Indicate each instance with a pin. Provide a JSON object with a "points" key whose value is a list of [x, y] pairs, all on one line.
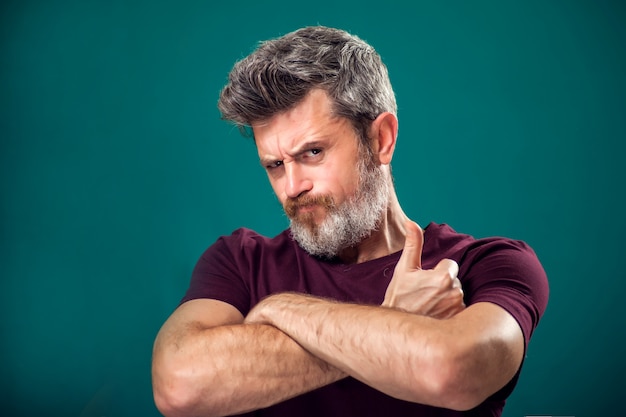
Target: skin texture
{"points": [[210, 360]]}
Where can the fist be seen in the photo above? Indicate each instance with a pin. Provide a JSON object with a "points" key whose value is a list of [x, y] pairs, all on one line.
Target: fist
{"points": [[434, 292]]}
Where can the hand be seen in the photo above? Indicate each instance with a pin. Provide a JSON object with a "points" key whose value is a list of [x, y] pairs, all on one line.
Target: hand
{"points": [[258, 314], [434, 292], [266, 310]]}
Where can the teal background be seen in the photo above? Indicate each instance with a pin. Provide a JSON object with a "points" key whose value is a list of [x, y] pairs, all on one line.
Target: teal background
{"points": [[116, 173]]}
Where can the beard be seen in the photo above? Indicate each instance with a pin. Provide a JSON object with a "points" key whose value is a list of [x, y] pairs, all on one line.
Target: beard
{"points": [[347, 224]]}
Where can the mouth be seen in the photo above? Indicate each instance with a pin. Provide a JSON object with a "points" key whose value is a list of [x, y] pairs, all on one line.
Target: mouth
{"points": [[307, 206], [304, 213]]}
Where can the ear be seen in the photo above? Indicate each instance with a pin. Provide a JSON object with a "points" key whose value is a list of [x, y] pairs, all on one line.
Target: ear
{"points": [[384, 131]]}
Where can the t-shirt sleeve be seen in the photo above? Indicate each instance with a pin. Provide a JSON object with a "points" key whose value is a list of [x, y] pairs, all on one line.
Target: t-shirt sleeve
{"points": [[218, 275], [508, 273]]}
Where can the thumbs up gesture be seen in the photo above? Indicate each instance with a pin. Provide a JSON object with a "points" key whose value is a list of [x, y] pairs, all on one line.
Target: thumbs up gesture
{"points": [[434, 292]]}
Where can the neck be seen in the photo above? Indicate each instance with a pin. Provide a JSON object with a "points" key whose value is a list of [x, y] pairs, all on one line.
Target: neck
{"points": [[388, 238]]}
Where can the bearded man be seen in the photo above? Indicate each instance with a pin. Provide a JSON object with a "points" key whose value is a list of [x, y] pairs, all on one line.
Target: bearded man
{"points": [[354, 310]]}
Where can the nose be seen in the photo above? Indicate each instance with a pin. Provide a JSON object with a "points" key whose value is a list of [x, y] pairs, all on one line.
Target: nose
{"points": [[297, 182]]}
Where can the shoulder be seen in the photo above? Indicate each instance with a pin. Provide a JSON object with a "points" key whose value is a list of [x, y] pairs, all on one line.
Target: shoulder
{"points": [[494, 264], [443, 240], [244, 240], [226, 270], [244, 249], [499, 270]]}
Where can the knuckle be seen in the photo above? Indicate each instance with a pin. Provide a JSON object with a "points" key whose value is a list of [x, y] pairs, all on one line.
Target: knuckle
{"points": [[445, 280]]}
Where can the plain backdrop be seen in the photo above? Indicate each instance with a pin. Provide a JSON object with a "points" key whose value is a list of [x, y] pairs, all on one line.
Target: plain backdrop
{"points": [[116, 172]]}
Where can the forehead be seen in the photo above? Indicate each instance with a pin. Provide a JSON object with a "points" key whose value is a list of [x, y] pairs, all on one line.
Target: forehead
{"points": [[310, 120]]}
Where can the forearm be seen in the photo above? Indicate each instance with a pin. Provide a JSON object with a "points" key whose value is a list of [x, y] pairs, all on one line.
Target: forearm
{"points": [[370, 343], [453, 363], [232, 369]]}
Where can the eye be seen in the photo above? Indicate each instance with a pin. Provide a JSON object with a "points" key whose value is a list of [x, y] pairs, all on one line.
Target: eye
{"points": [[311, 153], [274, 164]]}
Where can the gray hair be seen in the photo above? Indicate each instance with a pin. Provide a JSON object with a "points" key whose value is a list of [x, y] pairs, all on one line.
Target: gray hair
{"points": [[281, 72]]}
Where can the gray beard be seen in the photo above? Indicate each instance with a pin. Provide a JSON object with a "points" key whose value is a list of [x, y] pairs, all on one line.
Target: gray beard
{"points": [[348, 224]]}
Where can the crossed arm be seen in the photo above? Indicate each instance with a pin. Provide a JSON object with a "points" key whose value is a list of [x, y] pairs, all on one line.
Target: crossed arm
{"points": [[421, 345]]}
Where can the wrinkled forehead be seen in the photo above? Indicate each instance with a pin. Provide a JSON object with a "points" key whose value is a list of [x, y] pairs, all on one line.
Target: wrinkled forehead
{"points": [[310, 120]]}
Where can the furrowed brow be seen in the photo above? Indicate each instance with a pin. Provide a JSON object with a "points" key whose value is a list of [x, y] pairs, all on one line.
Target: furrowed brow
{"points": [[303, 147], [265, 161], [309, 145]]}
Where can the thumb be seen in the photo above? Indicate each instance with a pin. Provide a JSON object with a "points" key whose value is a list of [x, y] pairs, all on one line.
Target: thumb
{"points": [[411, 257]]}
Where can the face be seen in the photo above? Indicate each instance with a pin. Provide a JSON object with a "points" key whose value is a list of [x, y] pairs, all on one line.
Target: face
{"points": [[329, 185]]}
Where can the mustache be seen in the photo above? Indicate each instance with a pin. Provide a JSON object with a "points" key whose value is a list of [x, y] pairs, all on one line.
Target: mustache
{"points": [[292, 205]]}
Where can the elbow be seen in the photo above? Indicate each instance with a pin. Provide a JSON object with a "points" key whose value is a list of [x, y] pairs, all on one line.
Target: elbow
{"points": [[172, 395], [177, 394], [444, 391], [170, 403], [448, 383], [458, 398]]}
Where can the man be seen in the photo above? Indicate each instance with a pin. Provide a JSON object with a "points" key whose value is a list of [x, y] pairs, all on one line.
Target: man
{"points": [[354, 310]]}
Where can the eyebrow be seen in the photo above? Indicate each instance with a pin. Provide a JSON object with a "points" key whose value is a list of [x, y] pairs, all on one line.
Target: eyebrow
{"points": [[312, 144]]}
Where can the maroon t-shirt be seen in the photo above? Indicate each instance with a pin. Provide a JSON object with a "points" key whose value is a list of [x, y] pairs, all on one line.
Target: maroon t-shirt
{"points": [[244, 267]]}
